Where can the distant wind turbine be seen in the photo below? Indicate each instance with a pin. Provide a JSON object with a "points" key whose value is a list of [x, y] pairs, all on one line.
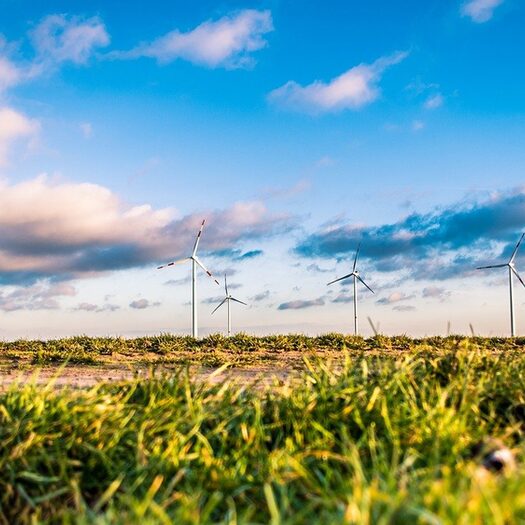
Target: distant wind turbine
{"points": [[512, 270], [356, 276], [227, 300], [195, 261]]}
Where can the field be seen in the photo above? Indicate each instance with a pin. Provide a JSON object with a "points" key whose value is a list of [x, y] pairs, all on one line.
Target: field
{"points": [[380, 430]]}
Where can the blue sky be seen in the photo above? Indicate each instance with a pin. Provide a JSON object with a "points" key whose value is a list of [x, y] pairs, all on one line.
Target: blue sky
{"points": [[297, 129]]}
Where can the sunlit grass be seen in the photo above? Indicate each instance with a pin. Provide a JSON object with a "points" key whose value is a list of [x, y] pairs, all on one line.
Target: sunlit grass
{"points": [[377, 437], [216, 350]]}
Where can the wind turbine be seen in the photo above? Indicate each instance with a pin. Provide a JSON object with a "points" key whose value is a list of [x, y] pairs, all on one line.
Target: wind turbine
{"points": [[356, 276], [512, 270], [195, 261], [227, 300]]}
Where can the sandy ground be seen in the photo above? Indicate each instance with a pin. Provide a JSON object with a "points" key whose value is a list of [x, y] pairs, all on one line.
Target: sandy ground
{"points": [[88, 376]]}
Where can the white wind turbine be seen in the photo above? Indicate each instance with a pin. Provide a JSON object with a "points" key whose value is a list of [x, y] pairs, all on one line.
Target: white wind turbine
{"points": [[194, 262], [356, 276], [512, 270], [227, 300]]}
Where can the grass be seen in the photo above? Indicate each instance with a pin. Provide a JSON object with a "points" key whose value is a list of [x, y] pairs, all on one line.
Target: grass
{"points": [[382, 436], [216, 350]]}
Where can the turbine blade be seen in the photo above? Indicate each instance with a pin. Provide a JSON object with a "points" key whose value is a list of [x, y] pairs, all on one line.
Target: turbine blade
{"points": [[356, 255], [220, 304], [198, 238], [225, 285], [237, 301], [205, 269], [180, 261], [340, 278], [517, 275], [492, 266], [514, 253], [359, 278]]}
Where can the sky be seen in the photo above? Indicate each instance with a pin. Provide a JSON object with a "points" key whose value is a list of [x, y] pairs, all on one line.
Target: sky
{"points": [[298, 130]]}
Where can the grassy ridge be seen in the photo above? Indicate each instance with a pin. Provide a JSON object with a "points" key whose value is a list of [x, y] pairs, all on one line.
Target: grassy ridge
{"points": [[383, 437], [216, 349]]}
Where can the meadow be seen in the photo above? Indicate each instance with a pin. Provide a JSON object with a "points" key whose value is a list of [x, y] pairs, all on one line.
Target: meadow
{"points": [[379, 430]]}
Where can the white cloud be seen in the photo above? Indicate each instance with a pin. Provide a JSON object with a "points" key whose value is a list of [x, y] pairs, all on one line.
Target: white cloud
{"points": [[226, 42], [59, 38], [480, 10], [353, 89], [14, 126], [434, 101]]}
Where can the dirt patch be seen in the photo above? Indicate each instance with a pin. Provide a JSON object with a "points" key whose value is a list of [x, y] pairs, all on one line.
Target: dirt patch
{"points": [[88, 376]]}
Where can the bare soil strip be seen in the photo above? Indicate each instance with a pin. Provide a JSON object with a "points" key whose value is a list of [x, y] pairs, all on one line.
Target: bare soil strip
{"points": [[88, 376]]}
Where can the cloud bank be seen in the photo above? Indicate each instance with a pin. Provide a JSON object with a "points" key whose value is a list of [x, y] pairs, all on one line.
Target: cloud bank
{"points": [[64, 230], [445, 243]]}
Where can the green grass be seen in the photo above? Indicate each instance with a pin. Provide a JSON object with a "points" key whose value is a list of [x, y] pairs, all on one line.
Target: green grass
{"points": [[379, 436], [216, 350]]}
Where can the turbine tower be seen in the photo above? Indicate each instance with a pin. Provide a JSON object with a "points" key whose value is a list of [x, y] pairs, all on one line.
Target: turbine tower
{"points": [[512, 270], [195, 261], [227, 300], [356, 276]]}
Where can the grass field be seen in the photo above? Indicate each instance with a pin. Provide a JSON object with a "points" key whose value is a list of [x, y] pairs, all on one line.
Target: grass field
{"points": [[381, 430]]}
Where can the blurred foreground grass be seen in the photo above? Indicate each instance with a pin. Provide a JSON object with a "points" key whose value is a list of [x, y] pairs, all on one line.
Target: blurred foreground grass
{"points": [[378, 436]]}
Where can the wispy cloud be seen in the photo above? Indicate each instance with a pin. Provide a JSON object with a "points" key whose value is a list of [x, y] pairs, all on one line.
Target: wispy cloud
{"points": [[257, 298], [62, 38], [480, 11], [301, 186], [228, 42], [55, 40], [301, 304], [14, 126], [10, 74], [95, 308], [39, 296], [87, 129], [404, 308], [343, 298], [314, 267], [178, 282], [417, 125], [435, 292], [354, 89], [434, 101], [438, 245], [395, 297]]}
